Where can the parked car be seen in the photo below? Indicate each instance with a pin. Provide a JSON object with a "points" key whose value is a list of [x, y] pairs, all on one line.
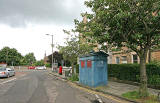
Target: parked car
{"points": [[31, 67], [12, 67], [6, 72], [41, 68]]}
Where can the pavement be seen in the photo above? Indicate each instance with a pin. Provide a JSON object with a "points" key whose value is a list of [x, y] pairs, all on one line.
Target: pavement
{"points": [[115, 88], [120, 88], [38, 86]]}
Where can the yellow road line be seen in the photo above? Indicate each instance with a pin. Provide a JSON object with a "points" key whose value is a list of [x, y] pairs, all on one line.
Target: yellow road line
{"points": [[101, 94]]}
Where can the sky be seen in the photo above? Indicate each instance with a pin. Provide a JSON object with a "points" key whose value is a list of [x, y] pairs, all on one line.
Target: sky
{"points": [[24, 23]]}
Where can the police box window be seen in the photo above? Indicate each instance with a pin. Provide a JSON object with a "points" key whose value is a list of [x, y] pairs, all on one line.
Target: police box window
{"points": [[89, 63], [82, 64]]}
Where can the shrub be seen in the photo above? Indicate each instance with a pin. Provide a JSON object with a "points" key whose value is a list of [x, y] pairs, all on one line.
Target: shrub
{"points": [[74, 77], [134, 95], [77, 68], [48, 65], [131, 72]]}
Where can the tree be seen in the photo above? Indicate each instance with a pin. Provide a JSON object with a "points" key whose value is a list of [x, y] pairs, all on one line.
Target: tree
{"points": [[39, 63], [131, 23], [73, 49], [57, 57], [29, 59], [10, 56], [70, 52]]}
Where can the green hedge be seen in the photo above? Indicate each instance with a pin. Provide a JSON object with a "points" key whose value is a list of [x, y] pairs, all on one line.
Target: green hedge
{"points": [[48, 65], [77, 68], [131, 72], [74, 77]]}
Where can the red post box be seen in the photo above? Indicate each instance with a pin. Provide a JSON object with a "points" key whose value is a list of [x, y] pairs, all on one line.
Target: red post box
{"points": [[60, 70]]}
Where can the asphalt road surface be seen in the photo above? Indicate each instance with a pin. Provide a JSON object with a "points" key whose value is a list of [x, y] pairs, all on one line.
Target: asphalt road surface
{"points": [[40, 87]]}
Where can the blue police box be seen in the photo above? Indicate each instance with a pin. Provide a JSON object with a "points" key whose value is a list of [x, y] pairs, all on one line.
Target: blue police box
{"points": [[93, 69]]}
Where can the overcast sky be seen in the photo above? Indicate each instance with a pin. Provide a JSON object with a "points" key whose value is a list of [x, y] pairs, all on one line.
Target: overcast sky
{"points": [[24, 23]]}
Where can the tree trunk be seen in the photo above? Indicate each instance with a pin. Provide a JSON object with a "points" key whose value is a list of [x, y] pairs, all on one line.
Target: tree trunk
{"points": [[149, 56], [143, 90], [72, 68]]}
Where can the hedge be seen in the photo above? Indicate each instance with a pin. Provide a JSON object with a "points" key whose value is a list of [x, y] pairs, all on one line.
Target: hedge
{"points": [[77, 68], [131, 72]]}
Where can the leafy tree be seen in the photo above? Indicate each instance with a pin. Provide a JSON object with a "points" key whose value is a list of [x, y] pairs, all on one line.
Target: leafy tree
{"points": [[29, 59], [10, 56], [73, 49], [39, 63], [131, 23], [70, 52], [57, 57]]}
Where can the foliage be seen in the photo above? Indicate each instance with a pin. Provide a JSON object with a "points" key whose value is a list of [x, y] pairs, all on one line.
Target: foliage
{"points": [[131, 23], [74, 77], [48, 65], [57, 57], [134, 95], [67, 63], [70, 51], [39, 63], [77, 68], [115, 49], [131, 95], [155, 62], [73, 49], [10, 56], [130, 72], [29, 59]]}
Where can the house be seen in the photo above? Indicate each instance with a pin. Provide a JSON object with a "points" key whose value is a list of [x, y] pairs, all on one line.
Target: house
{"points": [[125, 55]]}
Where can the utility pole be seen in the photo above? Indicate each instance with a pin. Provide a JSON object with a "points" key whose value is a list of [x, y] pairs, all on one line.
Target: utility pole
{"points": [[52, 49], [52, 52]]}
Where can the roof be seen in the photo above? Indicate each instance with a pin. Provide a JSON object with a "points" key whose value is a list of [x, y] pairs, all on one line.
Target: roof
{"points": [[99, 53]]}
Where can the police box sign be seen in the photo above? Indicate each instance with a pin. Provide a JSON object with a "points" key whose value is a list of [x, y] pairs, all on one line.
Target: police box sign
{"points": [[100, 63]]}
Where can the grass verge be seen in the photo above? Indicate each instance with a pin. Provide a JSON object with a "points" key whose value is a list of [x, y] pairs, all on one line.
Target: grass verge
{"points": [[74, 77], [134, 95]]}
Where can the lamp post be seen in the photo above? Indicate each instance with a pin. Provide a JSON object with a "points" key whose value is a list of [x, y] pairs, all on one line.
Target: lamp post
{"points": [[52, 49]]}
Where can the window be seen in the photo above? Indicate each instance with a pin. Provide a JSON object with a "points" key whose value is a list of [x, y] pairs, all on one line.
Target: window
{"points": [[89, 63], [135, 58], [82, 64], [100, 64], [117, 60], [124, 59]]}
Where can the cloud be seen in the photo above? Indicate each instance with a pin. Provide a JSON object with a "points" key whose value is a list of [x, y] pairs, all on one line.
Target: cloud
{"points": [[19, 13]]}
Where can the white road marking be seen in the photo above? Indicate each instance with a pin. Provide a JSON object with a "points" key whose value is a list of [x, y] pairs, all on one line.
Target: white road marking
{"points": [[98, 98], [8, 81]]}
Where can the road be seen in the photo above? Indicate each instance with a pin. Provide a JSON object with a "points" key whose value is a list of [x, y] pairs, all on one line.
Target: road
{"points": [[40, 87]]}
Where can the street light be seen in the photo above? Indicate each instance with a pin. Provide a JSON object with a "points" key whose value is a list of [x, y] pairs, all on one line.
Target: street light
{"points": [[52, 49]]}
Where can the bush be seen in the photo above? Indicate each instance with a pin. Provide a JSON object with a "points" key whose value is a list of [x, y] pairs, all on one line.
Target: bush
{"points": [[74, 77], [131, 72], [48, 65], [77, 68]]}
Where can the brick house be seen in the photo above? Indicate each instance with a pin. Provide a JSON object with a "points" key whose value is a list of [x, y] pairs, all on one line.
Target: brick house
{"points": [[155, 55], [128, 56], [124, 55]]}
